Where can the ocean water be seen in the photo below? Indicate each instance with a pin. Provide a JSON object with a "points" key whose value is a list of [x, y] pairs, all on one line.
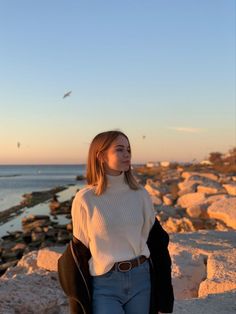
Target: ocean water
{"points": [[16, 180]]}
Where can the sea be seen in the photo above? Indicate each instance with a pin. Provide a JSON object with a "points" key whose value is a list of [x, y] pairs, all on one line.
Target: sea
{"points": [[16, 180]]}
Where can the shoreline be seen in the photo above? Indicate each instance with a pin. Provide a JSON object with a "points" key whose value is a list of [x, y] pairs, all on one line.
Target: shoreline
{"points": [[30, 199]]}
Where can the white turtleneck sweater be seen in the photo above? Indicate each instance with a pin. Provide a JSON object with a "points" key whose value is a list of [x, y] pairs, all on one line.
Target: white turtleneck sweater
{"points": [[115, 225]]}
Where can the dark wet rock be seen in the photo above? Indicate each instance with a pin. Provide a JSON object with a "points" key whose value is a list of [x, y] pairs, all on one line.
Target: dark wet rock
{"points": [[33, 198], [60, 208], [32, 222], [5, 266], [63, 237], [80, 177]]}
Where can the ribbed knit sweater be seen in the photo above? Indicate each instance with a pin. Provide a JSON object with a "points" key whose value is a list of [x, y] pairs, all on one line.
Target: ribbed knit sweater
{"points": [[114, 225]]}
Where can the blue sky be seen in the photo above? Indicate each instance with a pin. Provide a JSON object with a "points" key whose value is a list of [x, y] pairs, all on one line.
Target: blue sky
{"points": [[164, 69]]}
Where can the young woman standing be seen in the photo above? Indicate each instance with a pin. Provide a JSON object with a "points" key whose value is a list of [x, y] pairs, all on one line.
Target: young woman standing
{"points": [[120, 247]]}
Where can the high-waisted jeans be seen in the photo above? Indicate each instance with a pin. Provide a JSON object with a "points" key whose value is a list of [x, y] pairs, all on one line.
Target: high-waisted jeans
{"points": [[122, 292]]}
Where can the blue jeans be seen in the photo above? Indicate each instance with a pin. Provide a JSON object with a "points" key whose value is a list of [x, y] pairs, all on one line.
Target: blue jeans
{"points": [[122, 292]]}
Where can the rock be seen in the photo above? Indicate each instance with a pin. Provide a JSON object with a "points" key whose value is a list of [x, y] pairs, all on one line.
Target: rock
{"points": [[224, 210], [5, 266], [19, 246], [178, 225], [156, 188], [208, 189], [35, 221], [214, 198], [187, 186], [37, 236], [222, 303], [48, 257], [153, 188], [221, 273], [27, 288], [156, 200], [191, 199], [168, 199], [208, 175], [194, 211], [203, 249], [169, 210], [230, 188], [194, 270]]}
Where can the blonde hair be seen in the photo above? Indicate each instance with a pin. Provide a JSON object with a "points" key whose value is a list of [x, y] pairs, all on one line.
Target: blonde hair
{"points": [[95, 167]]}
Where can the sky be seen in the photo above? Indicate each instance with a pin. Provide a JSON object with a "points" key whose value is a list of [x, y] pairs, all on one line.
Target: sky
{"points": [[161, 71]]}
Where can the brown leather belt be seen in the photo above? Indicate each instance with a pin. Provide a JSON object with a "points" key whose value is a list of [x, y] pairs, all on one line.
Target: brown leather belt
{"points": [[128, 265]]}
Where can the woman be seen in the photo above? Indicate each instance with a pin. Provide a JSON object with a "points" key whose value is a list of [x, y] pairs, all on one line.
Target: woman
{"points": [[121, 260]]}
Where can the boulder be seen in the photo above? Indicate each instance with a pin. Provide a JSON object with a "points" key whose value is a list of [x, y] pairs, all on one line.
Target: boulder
{"points": [[48, 257], [224, 210], [208, 255], [27, 288], [230, 188], [168, 199], [195, 211], [191, 199], [184, 224], [187, 186], [221, 273], [208, 189], [194, 270], [208, 175]]}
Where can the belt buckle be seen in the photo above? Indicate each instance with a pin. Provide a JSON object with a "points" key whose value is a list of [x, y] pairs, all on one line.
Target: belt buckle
{"points": [[130, 266]]}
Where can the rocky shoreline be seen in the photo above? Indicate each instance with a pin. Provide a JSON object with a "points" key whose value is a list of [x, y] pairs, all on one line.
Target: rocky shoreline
{"points": [[38, 231], [198, 209], [29, 200]]}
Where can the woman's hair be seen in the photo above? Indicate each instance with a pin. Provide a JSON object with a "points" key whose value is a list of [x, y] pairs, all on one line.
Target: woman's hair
{"points": [[95, 167]]}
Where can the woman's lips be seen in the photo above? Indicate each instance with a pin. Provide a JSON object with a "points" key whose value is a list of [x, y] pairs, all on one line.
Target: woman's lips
{"points": [[126, 162]]}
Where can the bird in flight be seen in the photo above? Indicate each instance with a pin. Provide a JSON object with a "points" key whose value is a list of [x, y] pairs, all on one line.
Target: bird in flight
{"points": [[67, 94]]}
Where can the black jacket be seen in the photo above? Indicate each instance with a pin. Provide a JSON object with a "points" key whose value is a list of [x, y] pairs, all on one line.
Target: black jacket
{"points": [[74, 277]]}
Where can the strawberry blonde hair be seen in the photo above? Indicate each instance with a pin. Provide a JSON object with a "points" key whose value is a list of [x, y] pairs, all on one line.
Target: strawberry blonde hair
{"points": [[95, 173]]}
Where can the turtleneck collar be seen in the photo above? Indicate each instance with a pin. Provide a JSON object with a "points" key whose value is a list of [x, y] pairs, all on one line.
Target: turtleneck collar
{"points": [[116, 182]]}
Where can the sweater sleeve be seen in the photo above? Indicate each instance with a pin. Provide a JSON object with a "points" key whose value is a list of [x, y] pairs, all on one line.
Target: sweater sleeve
{"points": [[149, 212], [79, 220]]}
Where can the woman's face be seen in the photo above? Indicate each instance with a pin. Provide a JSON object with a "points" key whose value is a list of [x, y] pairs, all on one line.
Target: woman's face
{"points": [[117, 157]]}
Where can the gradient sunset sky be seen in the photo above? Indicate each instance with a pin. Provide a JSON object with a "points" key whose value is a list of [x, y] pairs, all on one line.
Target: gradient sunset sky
{"points": [[162, 71]]}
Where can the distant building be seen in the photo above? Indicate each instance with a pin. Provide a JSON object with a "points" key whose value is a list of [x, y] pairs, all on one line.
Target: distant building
{"points": [[165, 164], [206, 162], [151, 164]]}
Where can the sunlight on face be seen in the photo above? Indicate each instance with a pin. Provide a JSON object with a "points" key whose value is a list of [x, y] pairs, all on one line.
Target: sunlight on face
{"points": [[117, 157]]}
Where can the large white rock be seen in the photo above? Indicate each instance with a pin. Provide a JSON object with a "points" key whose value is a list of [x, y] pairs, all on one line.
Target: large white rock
{"points": [[191, 199], [208, 175], [224, 210], [48, 257], [221, 273], [194, 270], [29, 289], [200, 259]]}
